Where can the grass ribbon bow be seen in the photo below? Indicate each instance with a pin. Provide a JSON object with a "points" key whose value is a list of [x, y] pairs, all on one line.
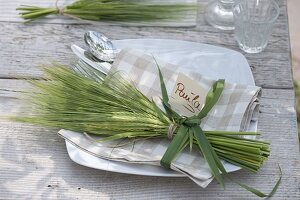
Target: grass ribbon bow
{"points": [[189, 131]]}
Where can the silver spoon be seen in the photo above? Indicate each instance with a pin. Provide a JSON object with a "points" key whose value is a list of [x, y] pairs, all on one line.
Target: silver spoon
{"points": [[99, 46]]}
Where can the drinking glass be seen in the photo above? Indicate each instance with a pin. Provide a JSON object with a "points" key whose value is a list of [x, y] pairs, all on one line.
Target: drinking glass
{"points": [[254, 20], [219, 14]]}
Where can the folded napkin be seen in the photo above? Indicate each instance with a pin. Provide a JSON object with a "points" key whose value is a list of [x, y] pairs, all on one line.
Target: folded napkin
{"points": [[233, 112]]}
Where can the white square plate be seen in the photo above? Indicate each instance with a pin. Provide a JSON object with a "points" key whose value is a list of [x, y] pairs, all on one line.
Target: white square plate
{"points": [[211, 61]]}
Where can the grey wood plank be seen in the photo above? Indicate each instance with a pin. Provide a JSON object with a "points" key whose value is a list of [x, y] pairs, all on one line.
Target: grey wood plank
{"points": [[37, 43], [13, 89], [35, 159], [27, 46]]}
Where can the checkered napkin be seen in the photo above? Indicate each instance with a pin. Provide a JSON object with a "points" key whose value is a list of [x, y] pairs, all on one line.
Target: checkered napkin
{"points": [[233, 112]]}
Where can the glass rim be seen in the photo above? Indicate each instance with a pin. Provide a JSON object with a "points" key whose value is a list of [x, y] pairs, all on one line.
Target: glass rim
{"points": [[273, 19]]}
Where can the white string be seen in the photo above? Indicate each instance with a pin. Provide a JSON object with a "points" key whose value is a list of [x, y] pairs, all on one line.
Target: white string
{"points": [[171, 130]]}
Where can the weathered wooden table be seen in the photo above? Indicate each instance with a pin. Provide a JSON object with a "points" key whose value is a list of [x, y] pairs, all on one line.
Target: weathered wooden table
{"points": [[34, 163]]}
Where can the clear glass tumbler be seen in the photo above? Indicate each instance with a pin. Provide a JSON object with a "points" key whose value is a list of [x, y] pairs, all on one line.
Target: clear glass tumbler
{"points": [[254, 20]]}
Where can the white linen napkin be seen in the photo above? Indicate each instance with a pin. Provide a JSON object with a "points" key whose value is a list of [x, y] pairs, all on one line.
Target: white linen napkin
{"points": [[233, 112]]}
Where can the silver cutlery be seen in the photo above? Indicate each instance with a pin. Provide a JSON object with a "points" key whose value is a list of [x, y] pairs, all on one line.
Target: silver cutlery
{"points": [[103, 67], [96, 61]]}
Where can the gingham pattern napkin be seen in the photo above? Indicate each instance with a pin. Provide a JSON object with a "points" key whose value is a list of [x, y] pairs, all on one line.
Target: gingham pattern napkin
{"points": [[233, 111]]}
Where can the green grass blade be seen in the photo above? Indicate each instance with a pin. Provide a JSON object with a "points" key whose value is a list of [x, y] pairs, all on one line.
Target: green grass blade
{"points": [[175, 147], [208, 154]]}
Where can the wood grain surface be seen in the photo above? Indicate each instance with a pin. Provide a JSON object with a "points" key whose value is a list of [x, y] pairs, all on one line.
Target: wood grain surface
{"points": [[34, 163]]}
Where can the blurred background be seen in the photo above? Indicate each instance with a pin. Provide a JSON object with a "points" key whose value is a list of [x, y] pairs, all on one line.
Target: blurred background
{"points": [[294, 16]]}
